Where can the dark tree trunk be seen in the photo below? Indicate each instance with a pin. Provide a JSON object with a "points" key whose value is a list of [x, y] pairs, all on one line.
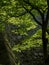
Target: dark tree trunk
{"points": [[44, 39], [6, 54], [4, 59]]}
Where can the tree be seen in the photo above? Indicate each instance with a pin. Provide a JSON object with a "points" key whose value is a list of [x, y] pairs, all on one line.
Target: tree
{"points": [[6, 54], [42, 7], [16, 8]]}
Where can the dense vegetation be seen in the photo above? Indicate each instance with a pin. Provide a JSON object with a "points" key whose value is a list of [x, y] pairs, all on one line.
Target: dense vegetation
{"points": [[24, 32]]}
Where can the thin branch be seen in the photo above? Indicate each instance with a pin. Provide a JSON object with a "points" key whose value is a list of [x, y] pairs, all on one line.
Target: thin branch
{"points": [[45, 10], [33, 7], [33, 16]]}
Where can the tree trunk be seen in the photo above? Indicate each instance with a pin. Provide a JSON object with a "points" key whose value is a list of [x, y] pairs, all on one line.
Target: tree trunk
{"points": [[6, 55], [4, 59], [44, 40]]}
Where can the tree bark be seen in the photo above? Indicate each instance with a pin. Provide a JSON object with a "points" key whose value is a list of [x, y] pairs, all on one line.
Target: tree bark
{"points": [[6, 55], [44, 39], [44, 42]]}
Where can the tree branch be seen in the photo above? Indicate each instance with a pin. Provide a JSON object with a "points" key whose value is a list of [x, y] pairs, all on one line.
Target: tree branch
{"points": [[33, 7], [35, 18]]}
